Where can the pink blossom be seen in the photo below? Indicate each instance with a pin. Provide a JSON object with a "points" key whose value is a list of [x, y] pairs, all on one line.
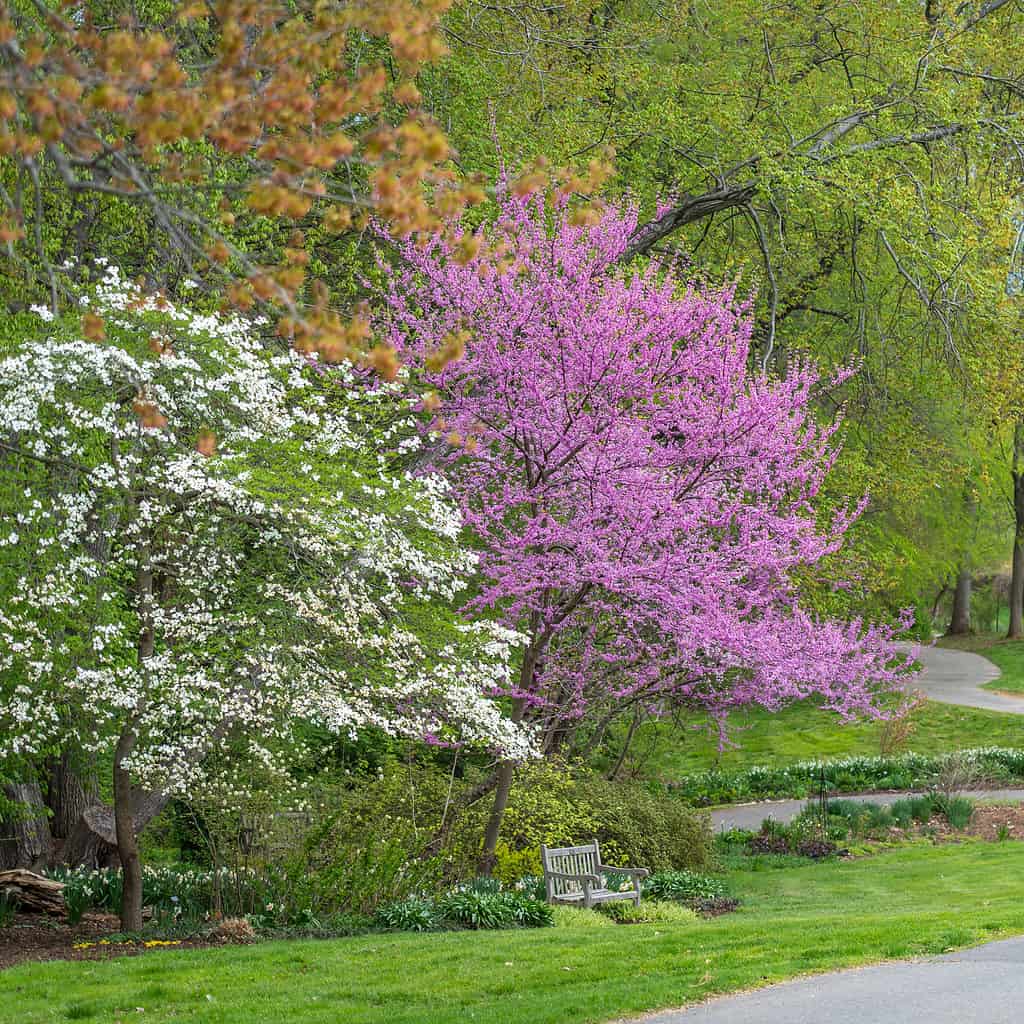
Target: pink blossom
{"points": [[642, 498]]}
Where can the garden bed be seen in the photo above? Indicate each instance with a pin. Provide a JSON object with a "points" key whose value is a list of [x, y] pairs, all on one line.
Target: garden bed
{"points": [[32, 937]]}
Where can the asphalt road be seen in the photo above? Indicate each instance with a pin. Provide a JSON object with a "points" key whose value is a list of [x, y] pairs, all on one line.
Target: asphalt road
{"points": [[984, 985], [956, 677]]}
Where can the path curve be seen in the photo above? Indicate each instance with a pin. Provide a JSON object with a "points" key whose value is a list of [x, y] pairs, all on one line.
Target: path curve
{"points": [[957, 677], [784, 811], [983, 985]]}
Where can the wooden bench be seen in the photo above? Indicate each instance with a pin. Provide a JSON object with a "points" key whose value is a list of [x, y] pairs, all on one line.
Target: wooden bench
{"points": [[575, 875]]}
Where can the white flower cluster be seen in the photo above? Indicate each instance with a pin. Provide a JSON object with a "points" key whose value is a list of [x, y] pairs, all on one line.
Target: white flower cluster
{"points": [[204, 540]]}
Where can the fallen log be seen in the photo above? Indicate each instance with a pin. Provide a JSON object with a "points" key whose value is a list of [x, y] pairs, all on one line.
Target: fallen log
{"points": [[33, 892]]}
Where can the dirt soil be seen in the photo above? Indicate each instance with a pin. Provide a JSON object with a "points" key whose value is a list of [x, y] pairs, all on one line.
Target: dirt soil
{"points": [[38, 937], [986, 821]]}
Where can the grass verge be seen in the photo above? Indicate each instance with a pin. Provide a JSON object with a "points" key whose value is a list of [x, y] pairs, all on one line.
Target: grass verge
{"points": [[919, 899], [803, 732]]}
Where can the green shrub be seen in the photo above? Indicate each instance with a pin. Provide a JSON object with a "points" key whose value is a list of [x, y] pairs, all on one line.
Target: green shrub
{"points": [[683, 887], [511, 865], [648, 912], [561, 806]]}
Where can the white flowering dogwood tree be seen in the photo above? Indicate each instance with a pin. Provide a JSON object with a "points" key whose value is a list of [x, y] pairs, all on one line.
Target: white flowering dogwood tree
{"points": [[207, 540]]}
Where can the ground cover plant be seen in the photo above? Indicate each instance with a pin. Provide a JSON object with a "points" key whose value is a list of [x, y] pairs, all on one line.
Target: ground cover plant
{"points": [[915, 900]]}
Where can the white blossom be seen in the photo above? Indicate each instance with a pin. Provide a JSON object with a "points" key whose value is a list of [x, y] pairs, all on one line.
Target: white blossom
{"points": [[297, 574]]}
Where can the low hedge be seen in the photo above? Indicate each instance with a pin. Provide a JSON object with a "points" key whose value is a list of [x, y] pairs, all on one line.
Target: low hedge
{"points": [[844, 775]]}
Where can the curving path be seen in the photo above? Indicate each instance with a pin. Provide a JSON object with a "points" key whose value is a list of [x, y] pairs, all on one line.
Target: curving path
{"points": [[783, 811], [957, 677], [948, 676], [984, 985]]}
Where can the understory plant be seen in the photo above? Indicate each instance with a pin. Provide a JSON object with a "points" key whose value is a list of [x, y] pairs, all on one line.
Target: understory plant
{"points": [[846, 774]]}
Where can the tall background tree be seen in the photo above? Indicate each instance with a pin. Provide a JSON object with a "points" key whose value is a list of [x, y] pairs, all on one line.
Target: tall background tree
{"points": [[857, 162]]}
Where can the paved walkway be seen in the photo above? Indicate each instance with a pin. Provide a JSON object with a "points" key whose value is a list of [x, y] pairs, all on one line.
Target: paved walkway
{"points": [[952, 677], [783, 811], [956, 677], [984, 985]]}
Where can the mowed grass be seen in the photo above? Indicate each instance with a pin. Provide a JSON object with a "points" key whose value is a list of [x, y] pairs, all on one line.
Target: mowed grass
{"points": [[802, 732], [915, 900], [1007, 655]]}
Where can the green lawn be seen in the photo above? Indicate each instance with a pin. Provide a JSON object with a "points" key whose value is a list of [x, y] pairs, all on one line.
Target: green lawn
{"points": [[804, 732], [1007, 655], [915, 900]]}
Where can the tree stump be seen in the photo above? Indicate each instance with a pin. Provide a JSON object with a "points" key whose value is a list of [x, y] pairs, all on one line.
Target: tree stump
{"points": [[33, 892]]}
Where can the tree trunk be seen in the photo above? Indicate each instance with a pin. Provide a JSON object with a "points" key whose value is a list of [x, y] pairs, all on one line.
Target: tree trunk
{"points": [[1016, 630], [506, 773], [69, 793], [124, 789], [627, 743], [25, 840], [33, 892], [127, 842], [960, 619], [506, 770]]}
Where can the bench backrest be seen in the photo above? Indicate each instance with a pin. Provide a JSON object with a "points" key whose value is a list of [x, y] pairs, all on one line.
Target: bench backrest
{"points": [[568, 860]]}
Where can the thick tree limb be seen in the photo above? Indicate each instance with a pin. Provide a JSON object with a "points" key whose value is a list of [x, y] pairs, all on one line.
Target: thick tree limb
{"points": [[688, 210]]}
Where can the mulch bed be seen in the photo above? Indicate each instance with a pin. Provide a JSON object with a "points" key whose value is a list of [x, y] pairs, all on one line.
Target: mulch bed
{"points": [[37, 937], [987, 819]]}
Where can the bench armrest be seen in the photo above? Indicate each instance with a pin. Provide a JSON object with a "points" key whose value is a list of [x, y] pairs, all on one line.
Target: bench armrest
{"points": [[573, 878], [635, 872]]}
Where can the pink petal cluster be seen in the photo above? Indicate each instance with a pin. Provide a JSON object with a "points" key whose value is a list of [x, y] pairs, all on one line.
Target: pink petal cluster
{"points": [[642, 498]]}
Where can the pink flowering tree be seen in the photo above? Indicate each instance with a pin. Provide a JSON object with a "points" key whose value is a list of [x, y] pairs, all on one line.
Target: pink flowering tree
{"points": [[643, 500]]}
